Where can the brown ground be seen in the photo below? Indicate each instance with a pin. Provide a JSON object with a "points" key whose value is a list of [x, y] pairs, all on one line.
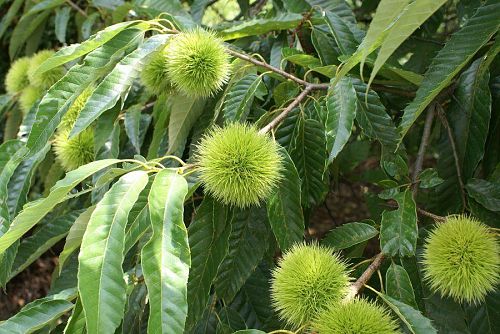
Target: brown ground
{"points": [[32, 283]]}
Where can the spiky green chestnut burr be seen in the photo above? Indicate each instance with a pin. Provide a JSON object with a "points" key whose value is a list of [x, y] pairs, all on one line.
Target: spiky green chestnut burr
{"points": [[308, 279], [238, 165], [71, 115], [17, 76], [48, 78], [356, 317], [75, 152], [197, 62], [154, 75], [461, 259], [29, 95]]}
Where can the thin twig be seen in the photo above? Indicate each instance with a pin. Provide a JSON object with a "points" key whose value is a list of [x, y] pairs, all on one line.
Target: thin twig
{"points": [[287, 110], [446, 125], [431, 215], [423, 146], [266, 66], [357, 286], [422, 212], [312, 86], [75, 6]]}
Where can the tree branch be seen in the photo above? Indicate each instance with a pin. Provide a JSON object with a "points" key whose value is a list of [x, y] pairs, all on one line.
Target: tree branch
{"points": [[308, 87], [422, 212], [286, 111], [431, 215], [357, 286], [446, 125], [423, 146], [279, 71], [75, 6]]}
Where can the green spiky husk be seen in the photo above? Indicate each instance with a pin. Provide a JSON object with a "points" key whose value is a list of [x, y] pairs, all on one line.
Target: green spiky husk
{"points": [[197, 62], [356, 317], [17, 76], [71, 115], [461, 259], [154, 75], [29, 95], [75, 152], [308, 279], [237, 165], [48, 78]]}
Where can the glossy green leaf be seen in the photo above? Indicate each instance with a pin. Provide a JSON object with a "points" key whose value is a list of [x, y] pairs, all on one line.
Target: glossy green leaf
{"points": [[284, 208], [138, 220], [208, 241], [457, 52], [117, 83], [240, 97], [42, 240], [166, 258], [247, 243], [75, 235], [26, 26], [412, 17], [60, 96], [485, 318], [161, 113], [8, 165], [100, 274], [415, 322], [10, 15], [469, 115], [43, 6], [261, 26], [485, 192], [183, 115], [348, 235], [346, 34], [61, 23], [20, 182], [35, 211], [341, 102], [310, 157], [253, 302], [37, 314], [372, 117], [75, 51], [429, 178], [132, 126], [398, 285], [387, 12], [398, 230], [76, 323]]}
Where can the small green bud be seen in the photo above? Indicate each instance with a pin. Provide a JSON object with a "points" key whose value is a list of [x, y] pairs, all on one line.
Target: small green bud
{"points": [[197, 62], [79, 150], [29, 95], [17, 76], [154, 76], [356, 317], [48, 78], [238, 166], [462, 259], [75, 152], [308, 279], [71, 115]]}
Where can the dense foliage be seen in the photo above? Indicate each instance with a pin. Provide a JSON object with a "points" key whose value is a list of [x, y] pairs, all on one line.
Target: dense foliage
{"points": [[176, 150]]}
